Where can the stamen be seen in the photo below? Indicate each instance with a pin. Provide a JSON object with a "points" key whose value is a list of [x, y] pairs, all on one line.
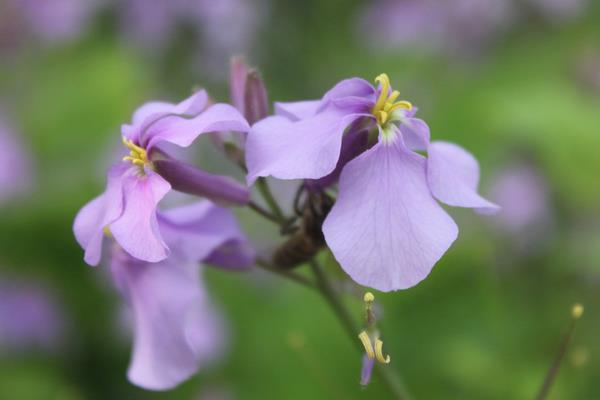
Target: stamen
{"points": [[384, 80], [385, 104], [137, 155], [366, 341], [379, 353]]}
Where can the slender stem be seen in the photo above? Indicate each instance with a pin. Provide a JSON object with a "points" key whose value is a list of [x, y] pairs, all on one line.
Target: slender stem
{"points": [[260, 210], [265, 191], [391, 380], [556, 363], [265, 265]]}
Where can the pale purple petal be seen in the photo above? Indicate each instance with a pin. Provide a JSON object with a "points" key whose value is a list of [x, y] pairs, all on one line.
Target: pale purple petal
{"points": [[308, 148], [355, 142], [189, 179], [153, 111], [385, 229], [453, 177], [203, 230], [415, 131], [99, 213], [352, 87], [183, 131], [176, 329], [298, 109], [136, 230]]}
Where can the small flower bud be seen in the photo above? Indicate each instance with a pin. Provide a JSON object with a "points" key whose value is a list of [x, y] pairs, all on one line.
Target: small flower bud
{"points": [[577, 311]]}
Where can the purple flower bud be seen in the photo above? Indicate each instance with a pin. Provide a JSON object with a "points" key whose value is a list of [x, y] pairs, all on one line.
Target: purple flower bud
{"points": [[189, 179], [248, 92]]}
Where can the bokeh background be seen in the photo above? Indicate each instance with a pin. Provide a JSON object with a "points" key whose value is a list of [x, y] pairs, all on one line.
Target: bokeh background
{"points": [[517, 82]]}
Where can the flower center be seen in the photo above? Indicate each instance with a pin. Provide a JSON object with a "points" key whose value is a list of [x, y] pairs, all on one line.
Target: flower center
{"points": [[137, 155], [385, 104]]}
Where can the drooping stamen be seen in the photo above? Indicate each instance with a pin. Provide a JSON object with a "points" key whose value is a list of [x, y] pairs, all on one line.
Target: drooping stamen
{"points": [[385, 104], [366, 341], [379, 353]]}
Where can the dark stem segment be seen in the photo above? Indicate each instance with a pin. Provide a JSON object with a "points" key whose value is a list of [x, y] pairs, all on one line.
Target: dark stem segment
{"points": [[391, 381], [557, 362]]}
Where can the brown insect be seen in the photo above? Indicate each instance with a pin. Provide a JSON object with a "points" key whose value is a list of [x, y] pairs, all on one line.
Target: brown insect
{"points": [[307, 237]]}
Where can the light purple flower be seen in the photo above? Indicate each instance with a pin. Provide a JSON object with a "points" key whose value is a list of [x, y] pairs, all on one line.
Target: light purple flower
{"points": [[30, 316], [386, 228], [524, 197], [15, 163], [135, 186], [54, 21], [176, 328], [462, 26]]}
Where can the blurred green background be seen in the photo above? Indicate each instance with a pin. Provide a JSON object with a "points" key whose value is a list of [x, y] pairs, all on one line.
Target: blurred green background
{"points": [[484, 325]]}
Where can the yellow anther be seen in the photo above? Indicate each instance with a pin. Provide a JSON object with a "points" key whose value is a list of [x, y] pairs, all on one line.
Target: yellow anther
{"points": [[401, 104], [385, 104], [137, 155], [368, 297], [379, 353], [384, 80], [366, 341], [577, 311], [106, 231]]}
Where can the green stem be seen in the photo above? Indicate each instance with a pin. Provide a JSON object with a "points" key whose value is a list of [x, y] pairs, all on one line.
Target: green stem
{"points": [[285, 274], [265, 191], [392, 381]]}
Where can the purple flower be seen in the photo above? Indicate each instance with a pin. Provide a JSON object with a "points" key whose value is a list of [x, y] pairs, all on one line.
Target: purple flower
{"points": [[127, 209], [15, 164], [30, 316], [462, 26], [524, 197], [386, 228], [176, 328]]}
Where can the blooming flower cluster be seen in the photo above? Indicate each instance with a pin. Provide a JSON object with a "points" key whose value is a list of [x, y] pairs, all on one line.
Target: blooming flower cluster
{"points": [[358, 145], [386, 229]]}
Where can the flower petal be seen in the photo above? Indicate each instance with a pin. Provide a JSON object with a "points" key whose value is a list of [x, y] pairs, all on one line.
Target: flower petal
{"points": [[352, 87], [385, 229], [175, 327], [136, 230], [93, 217], [297, 110], [200, 230], [453, 176], [183, 131], [153, 111], [189, 179], [308, 148], [355, 142]]}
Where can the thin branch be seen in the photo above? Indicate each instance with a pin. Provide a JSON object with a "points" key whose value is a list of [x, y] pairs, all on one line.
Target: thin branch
{"points": [[391, 380], [265, 265], [264, 213]]}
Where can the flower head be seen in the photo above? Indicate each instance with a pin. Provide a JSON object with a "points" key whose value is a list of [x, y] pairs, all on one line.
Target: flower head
{"points": [[176, 327], [135, 186], [386, 228]]}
